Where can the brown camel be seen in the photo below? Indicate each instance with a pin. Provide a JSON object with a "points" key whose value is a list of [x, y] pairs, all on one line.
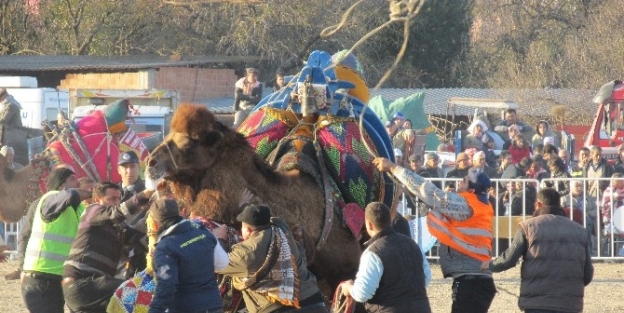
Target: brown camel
{"points": [[16, 190], [209, 165]]}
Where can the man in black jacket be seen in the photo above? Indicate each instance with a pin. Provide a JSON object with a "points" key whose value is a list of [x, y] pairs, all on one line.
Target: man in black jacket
{"points": [[89, 272]]}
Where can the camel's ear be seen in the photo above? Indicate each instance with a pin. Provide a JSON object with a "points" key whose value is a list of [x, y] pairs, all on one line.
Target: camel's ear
{"points": [[211, 137]]}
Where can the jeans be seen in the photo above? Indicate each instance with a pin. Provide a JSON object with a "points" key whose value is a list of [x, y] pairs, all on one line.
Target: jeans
{"points": [[42, 294], [472, 294], [90, 294]]}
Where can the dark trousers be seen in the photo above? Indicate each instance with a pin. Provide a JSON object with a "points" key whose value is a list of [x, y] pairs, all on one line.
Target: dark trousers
{"points": [[42, 293], [472, 294], [90, 294]]}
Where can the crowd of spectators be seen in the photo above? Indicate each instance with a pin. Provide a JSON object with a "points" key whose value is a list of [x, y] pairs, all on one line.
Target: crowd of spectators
{"points": [[529, 160]]}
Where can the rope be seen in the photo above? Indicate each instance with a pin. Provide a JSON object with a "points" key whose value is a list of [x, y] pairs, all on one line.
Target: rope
{"points": [[342, 303]]}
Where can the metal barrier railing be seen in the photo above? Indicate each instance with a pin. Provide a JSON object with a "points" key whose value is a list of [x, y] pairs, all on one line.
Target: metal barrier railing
{"points": [[606, 230]]}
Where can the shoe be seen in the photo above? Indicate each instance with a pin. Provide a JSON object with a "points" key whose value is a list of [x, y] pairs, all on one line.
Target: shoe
{"points": [[13, 275]]}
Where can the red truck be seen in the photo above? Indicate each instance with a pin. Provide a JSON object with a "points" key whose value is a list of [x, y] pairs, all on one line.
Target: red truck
{"points": [[607, 130]]}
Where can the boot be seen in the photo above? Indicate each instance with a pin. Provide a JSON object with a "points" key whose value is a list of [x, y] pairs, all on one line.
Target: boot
{"points": [[13, 275]]}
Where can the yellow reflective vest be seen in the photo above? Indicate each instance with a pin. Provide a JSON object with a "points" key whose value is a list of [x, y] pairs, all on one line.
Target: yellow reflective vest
{"points": [[49, 243]]}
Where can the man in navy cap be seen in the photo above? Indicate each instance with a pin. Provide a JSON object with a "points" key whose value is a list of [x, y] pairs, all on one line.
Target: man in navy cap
{"points": [[128, 168], [131, 184]]}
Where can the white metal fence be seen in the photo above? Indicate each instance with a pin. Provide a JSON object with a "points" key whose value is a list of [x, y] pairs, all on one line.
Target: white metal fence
{"points": [[602, 216]]}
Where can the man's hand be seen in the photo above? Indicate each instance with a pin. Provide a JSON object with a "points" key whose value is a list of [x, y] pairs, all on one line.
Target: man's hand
{"points": [[148, 192], [245, 197], [485, 266], [3, 257], [346, 287], [220, 232], [383, 164]]}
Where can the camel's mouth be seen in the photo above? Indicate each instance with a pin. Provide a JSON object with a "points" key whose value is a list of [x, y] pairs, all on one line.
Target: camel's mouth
{"points": [[154, 175]]}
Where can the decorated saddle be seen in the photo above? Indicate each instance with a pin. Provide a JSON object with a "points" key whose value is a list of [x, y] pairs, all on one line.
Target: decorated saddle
{"points": [[313, 125]]}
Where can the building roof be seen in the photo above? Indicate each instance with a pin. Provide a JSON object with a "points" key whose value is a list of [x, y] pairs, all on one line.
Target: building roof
{"points": [[531, 102], [12, 63]]}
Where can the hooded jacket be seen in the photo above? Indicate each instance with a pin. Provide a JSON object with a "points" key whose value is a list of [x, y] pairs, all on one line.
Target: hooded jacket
{"points": [[539, 138]]}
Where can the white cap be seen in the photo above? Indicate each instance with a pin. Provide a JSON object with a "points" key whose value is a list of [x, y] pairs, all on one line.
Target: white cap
{"points": [[398, 153]]}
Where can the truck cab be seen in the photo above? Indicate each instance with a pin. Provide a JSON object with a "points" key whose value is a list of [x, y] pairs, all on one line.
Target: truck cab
{"points": [[607, 130]]}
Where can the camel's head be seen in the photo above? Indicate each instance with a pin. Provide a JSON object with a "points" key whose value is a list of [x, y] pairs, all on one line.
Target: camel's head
{"points": [[192, 146]]}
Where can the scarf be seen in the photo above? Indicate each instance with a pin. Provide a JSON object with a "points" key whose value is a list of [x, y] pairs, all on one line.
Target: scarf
{"points": [[277, 276], [246, 86]]}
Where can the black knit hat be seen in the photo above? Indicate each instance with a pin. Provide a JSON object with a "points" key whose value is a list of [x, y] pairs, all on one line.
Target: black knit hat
{"points": [[57, 178], [164, 209], [128, 157], [255, 215]]}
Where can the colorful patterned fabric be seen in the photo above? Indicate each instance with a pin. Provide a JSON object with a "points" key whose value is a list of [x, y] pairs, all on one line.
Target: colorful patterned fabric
{"points": [[265, 127], [134, 295], [348, 159], [102, 143]]}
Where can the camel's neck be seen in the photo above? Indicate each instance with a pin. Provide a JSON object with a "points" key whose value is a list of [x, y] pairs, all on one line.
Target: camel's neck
{"points": [[17, 193]]}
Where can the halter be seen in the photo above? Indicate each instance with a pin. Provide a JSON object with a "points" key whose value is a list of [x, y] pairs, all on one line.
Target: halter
{"points": [[175, 164]]}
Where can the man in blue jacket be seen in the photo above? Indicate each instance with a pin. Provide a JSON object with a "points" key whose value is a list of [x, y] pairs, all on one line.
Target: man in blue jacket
{"points": [[185, 260]]}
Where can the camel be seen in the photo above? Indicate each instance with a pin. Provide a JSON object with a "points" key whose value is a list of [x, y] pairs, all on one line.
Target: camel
{"points": [[17, 189], [209, 165]]}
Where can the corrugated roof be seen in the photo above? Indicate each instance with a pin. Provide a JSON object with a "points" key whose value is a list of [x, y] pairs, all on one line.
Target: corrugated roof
{"points": [[531, 102], [103, 63]]}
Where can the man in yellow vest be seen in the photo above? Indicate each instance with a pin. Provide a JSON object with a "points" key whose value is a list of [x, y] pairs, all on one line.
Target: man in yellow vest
{"points": [[54, 227], [462, 222]]}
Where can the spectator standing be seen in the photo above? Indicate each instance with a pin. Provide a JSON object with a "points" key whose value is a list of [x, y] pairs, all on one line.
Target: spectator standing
{"points": [[512, 131], [613, 197], [270, 287], [558, 170], [578, 199], [185, 259], [9, 153], [248, 92], [476, 131], [542, 131], [10, 109], [618, 167], [398, 119], [536, 171], [479, 163], [415, 162], [407, 142], [462, 165], [392, 129], [511, 118], [523, 199], [597, 167], [408, 124], [462, 222], [505, 161], [564, 155], [391, 276], [55, 221], [89, 272], [488, 148], [519, 149], [398, 156], [578, 168], [556, 257], [431, 168]]}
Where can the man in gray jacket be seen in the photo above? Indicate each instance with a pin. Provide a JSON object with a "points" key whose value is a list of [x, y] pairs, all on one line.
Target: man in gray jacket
{"points": [[556, 256]]}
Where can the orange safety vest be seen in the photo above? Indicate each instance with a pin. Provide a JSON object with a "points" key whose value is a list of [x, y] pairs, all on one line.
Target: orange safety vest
{"points": [[473, 236]]}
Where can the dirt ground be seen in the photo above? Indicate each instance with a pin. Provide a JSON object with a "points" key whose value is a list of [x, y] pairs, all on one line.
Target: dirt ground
{"points": [[604, 294]]}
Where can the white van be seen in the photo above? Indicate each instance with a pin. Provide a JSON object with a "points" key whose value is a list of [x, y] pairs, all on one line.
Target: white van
{"points": [[38, 104]]}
